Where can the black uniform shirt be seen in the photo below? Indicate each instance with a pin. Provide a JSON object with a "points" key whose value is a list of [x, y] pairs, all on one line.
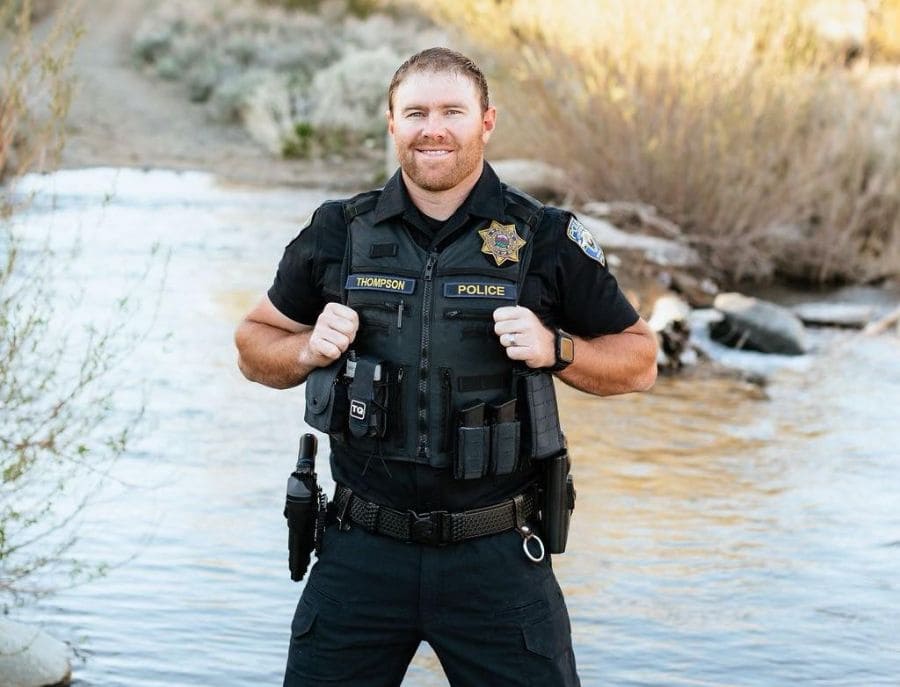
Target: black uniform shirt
{"points": [[564, 286]]}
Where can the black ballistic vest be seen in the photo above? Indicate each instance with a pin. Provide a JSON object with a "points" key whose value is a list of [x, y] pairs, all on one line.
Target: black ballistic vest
{"points": [[428, 315]]}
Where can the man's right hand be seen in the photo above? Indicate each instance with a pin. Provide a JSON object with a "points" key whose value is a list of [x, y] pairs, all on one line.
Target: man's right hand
{"points": [[334, 331]]}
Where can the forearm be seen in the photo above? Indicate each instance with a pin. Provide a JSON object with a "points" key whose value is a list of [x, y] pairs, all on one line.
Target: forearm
{"points": [[613, 364], [272, 356]]}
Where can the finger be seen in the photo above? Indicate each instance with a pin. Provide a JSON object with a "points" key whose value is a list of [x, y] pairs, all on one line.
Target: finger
{"points": [[324, 349], [342, 324], [507, 327], [340, 310], [508, 312], [518, 352], [336, 338]]}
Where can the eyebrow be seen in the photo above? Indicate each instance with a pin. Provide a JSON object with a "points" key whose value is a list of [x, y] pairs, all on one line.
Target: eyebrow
{"points": [[442, 106]]}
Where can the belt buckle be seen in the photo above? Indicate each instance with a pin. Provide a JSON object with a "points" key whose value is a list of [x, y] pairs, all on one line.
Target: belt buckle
{"points": [[427, 528]]}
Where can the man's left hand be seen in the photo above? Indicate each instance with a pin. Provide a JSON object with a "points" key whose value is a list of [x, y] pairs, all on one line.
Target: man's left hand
{"points": [[524, 336]]}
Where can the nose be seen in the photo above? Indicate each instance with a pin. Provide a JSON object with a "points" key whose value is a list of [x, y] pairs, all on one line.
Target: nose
{"points": [[433, 127]]}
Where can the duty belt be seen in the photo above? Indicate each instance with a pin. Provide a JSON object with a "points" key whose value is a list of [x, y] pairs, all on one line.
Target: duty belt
{"points": [[436, 527]]}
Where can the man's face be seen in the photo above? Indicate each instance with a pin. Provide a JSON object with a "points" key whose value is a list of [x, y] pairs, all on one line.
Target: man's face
{"points": [[439, 129]]}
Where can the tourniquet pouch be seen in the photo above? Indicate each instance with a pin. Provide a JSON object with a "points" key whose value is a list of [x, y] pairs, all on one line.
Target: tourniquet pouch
{"points": [[543, 436], [368, 397], [326, 398]]}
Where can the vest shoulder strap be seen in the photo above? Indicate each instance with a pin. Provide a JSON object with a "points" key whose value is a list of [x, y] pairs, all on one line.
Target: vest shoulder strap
{"points": [[522, 206], [360, 204]]}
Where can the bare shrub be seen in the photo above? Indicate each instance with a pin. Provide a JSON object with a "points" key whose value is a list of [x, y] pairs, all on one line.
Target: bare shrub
{"points": [[58, 438], [34, 93], [736, 120]]}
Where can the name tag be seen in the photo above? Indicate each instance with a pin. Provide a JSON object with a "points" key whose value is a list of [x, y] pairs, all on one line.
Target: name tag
{"points": [[480, 289], [381, 282]]}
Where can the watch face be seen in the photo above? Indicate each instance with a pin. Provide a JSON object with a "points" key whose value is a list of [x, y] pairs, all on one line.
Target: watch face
{"points": [[566, 349]]}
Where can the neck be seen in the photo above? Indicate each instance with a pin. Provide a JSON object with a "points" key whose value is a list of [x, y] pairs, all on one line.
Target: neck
{"points": [[441, 204]]}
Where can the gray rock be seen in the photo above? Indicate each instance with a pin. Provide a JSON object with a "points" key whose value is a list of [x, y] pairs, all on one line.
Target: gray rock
{"points": [[31, 658], [758, 325], [665, 252], [851, 315], [543, 181], [673, 332]]}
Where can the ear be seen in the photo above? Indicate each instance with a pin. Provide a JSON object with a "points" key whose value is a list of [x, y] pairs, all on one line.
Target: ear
{"points": [[488, 122], [390, 121]]}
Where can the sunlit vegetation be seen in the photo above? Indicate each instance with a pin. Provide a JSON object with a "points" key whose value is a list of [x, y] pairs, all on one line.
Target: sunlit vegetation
{"points": [[768, 130]]}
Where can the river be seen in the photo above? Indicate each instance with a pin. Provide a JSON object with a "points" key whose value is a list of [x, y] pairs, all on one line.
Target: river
{"points": [[722, 536]]}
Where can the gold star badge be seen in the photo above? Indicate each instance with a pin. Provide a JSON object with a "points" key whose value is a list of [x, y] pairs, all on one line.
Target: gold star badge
{"points": [[501, 241]]}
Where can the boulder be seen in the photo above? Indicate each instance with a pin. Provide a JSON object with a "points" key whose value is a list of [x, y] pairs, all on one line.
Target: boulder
{"points": [[31, 658], [882, 324], [664, 252], [850, 315], [758, 325], [673, 332], [536, 178]]}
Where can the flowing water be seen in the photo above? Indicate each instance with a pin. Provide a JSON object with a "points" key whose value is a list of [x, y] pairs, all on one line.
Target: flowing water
{"points": [[722, 536]]}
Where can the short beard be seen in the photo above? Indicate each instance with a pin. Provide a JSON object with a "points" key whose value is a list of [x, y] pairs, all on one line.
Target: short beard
{"points": [[467, 162]]}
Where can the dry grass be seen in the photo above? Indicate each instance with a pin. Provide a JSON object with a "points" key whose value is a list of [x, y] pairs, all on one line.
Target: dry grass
{"points": [[35, 92], [737, 120]]}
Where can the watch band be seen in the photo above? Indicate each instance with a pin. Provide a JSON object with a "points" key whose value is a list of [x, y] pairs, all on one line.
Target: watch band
{"points": [[564, 347]]}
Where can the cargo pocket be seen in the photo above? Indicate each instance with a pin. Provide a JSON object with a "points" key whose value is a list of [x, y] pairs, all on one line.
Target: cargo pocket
{"points": [[548, 651], [326, 398], [302, 646]]}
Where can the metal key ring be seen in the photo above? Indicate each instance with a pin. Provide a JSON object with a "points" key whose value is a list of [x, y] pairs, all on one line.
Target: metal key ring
{"points": [[528, 535]]}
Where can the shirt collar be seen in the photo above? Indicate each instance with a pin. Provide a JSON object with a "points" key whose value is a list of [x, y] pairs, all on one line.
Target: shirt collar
{"points": [[485, 199]]}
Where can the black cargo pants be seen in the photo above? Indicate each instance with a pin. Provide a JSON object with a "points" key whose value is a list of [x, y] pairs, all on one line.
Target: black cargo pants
{"points": [[493, 617]]}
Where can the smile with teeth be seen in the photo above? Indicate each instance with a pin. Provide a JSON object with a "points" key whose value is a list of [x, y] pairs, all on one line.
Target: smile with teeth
{"points": [[433, 153]]}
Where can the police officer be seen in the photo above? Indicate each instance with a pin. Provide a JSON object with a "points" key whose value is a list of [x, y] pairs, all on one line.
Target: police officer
{"points": [[426, 315]]}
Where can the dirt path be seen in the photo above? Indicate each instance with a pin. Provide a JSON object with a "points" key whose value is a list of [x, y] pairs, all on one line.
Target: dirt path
{"points": [[122, 117]]}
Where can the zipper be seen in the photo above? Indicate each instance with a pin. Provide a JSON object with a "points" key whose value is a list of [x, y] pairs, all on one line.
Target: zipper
{"points": [[446, 408], [428, 278], [398, 306], [399, 427], [469, 314]]}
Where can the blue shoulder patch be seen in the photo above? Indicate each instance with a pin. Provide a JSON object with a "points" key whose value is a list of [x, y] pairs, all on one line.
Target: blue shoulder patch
{"points": [[577, 232]]}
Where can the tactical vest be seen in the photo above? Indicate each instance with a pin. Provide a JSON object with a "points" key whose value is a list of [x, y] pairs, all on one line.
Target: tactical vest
{"points": [[428, 317]]}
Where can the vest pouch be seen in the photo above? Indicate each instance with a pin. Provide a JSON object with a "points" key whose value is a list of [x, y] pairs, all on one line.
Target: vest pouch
{"points": [[326, 398], [505, 447], [472, 452], [367, 397], [543, 436], [473, 443]]}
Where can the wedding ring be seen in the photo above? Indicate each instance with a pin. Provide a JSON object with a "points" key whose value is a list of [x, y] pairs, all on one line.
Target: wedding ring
{"points": [[511, 340]]}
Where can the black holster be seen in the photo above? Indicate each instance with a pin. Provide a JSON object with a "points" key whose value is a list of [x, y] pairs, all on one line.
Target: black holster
{"points": [[558, 502]]}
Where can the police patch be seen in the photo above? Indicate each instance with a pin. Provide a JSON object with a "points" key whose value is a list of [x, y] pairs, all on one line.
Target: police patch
{"points": [[479, 289], [585, 241], [380, 282]]}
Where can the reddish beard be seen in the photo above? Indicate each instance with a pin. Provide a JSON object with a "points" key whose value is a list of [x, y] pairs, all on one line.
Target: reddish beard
{"points": [[443, 176]]}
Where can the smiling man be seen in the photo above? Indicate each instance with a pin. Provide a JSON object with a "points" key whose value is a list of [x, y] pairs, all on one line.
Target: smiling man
{"points": [[428, 318]]}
